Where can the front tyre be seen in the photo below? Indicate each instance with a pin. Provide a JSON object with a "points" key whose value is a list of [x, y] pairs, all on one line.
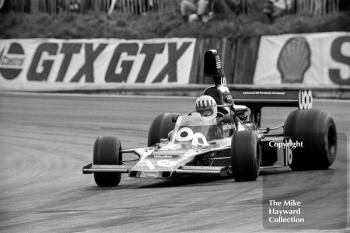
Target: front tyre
{"points": [[160, 127], [107, 151], [245, 160]]}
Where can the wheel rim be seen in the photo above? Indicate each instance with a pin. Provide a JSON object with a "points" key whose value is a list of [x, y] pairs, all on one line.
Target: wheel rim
{"points": [[332, 141]]}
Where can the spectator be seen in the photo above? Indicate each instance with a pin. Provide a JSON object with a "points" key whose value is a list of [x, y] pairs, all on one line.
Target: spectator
{"points": [[227, 6], [277, 8], [193, 10], [74, 5]]}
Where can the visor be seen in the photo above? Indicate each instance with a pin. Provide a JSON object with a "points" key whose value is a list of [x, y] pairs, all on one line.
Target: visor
{"points": [[205, 112]]}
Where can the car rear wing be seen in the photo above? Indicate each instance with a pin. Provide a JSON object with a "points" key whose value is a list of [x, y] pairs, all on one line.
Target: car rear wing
{"points": [[256, 99]]}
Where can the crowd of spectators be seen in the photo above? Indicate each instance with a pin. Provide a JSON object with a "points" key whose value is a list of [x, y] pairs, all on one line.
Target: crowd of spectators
{"points": [[191, 10], [277, 8], [205, 10]]}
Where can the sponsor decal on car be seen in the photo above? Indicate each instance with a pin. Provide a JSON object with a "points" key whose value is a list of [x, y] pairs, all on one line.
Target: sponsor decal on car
{"points": [[163, 156], [305, 100]]}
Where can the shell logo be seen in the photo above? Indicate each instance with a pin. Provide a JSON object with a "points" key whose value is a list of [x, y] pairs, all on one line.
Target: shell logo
{"points": [[294, 60]]}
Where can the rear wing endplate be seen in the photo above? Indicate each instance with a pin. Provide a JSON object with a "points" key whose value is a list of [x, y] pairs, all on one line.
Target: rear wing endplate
{"points": [[271, 98]]}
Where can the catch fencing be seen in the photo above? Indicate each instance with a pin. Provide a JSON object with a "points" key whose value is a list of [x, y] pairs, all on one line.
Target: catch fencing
{"points": [[84, 6], [315, 7], [321, 7]]}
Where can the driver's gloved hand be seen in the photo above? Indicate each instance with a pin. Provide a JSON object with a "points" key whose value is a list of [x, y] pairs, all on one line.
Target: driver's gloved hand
{"points": [[244, 116], [227, 119]]}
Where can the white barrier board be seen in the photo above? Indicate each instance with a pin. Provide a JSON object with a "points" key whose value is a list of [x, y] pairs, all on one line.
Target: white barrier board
{"points": [[313, 59], [56, 64]]}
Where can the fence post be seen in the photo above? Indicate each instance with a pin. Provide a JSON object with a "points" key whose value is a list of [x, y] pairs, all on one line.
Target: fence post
{"points": [[230, 57], [43, 6], [82, 6], [300, 5], [244, 7], [67, 6], [317, 7], [331, 6], [194, 74], [52, 7], [246, 54]]}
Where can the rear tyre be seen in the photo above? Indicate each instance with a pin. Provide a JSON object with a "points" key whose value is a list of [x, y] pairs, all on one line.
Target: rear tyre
{"points": [[245, 159], [160, 127], [107, 151], [316, 130]]}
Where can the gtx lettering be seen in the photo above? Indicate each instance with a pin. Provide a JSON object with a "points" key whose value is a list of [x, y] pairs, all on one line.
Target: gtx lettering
{"points": [[124, 67], [68, 50], [42, 62], [87, 69], [126, 57], [150, 51], [170, 69]]}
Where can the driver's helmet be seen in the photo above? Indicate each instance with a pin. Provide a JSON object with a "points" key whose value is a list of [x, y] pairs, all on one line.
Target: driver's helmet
{"points": [[206, 106]]}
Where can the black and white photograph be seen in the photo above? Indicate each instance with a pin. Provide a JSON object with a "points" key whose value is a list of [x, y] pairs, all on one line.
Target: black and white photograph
{"points": [[166, 116]]}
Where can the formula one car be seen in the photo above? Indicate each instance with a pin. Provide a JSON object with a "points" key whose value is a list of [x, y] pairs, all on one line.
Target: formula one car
{"points": [[234, 145]]}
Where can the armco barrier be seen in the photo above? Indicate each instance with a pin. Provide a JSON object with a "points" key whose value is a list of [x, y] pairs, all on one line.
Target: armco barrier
{"points": [[195, 90]]}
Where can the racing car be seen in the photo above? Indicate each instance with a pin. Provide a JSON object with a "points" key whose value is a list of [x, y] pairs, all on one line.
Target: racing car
{"points": [[191, 144]]}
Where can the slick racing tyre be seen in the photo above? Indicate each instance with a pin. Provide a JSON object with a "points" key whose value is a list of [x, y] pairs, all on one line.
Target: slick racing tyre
{"points": [[316, 130], [160, 127], [245, 159], [107, 151]]}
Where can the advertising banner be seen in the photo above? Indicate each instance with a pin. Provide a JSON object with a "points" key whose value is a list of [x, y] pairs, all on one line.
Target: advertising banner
{"points": [[312, 59], [55, 64]]}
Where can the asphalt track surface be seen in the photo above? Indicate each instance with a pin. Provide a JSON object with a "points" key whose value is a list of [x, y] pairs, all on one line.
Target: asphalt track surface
{"points": [[46, 139]]}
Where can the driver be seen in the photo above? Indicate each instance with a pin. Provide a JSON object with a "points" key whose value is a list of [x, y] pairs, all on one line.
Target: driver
{"points": [[206, 106]]}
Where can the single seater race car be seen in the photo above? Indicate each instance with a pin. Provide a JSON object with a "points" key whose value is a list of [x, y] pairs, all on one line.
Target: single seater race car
{"points": [[233, 145]]}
